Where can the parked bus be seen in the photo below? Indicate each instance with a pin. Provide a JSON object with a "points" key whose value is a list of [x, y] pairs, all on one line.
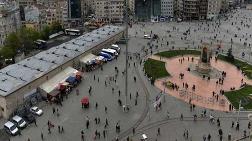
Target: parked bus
{"points": [[74, 32], [112, 52], [41, 44]]}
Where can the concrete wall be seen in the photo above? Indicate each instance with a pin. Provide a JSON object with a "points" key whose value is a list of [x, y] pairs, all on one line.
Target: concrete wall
{"points": [[2, 105], [12, 101]]}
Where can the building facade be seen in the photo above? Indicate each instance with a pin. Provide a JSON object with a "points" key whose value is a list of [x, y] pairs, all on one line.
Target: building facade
{"points": [[109, 11], [146, 9], [9, 20], [167, 8], [213, 10], [21, 81], [74, 12]]}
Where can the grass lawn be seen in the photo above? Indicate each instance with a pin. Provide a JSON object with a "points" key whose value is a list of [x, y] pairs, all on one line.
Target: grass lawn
{"points": [[247, 68], [155, 69], [173, 53], [243, 94]]}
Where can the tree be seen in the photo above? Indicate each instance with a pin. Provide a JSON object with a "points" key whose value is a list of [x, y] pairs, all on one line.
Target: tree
{"points": [[230, 55], [45, 33], [27, 37], [13, 41], [7, 52], [56, 27]]}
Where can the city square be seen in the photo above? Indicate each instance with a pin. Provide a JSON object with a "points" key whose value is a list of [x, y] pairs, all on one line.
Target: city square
{"points": [[143, 117]]}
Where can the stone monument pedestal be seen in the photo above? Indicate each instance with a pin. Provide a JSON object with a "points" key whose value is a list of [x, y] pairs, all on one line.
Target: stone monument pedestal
{"points": [[204, 65]]}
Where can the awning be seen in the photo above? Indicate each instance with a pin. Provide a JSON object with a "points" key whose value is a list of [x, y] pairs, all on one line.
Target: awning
{"points": [[71, 79], [53, 83], [84, 100], [87, 58]]}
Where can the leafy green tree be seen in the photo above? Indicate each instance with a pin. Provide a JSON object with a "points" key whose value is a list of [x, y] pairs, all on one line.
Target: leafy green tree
{"points": [[56, 27], [13, 41], [45, 33], [7, 52]]}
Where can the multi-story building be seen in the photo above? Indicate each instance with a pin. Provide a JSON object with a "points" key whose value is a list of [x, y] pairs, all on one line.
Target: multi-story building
{"points": [[203, 9], [25, 3], [178, 8], [33, 17], [87, 8], [146, 9], [109, 10], [197, 9], [190, 9], [74, 12], [213, 10], [62, 12], [9, 19], [167, 8]]}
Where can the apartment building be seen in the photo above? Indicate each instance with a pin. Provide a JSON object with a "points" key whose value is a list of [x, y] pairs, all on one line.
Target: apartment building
{"points": [[167, 8], [213, 10], [9, 19], [109, 10]]}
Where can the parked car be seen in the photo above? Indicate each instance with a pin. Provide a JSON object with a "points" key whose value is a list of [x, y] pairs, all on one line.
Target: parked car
{"points": [[19, 121], [36, 111], [29, 118], [147, 36], [115, 47], [11, 128]]}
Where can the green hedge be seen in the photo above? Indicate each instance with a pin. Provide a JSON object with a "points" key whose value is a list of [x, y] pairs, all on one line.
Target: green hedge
{"points": [[243, 94], [173, 53], [155, 69], [244, 66]]}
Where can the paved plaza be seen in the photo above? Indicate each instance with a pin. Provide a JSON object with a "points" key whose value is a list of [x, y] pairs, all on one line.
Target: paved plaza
{"points": [[142, 116], [203, 94]]}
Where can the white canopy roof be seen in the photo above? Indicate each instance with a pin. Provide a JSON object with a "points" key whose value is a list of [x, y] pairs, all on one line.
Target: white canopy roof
{"points": [[51, 84], [87, 58]]}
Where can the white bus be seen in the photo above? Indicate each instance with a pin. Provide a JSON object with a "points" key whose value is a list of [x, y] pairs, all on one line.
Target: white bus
{"points": [[112, 52], [73, 32]]}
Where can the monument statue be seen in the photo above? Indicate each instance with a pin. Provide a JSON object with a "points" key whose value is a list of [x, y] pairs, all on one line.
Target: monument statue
{"points": [[204, 65]]}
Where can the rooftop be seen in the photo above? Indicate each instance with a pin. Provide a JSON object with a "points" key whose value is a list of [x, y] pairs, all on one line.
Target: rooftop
{"points": [[17, 75]]}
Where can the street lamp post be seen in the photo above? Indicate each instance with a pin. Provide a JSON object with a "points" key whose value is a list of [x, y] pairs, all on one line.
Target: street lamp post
{"points": [[250, 131], [126, 52]]}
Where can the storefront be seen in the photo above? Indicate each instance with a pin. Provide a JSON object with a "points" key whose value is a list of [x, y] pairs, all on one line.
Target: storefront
{"points": [[90, 62], [58, 84]]}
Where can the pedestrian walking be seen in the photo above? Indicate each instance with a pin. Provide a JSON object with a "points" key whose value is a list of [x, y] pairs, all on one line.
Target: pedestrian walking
{"points": [[204, 137], [181, 117], [229, 136], [209, 137], [134, 78], [106, 109], [158, 132], [35, 122], [133, 130], [87, 124], [104, 134], [62, 129], [58, 128], [96, 105], [53, 109], [49, 130], [106, 122], [42, 136]]}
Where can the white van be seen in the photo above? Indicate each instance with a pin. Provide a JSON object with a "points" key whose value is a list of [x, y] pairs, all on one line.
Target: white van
{"points": [[147, 36], [115, 47], [112, 52], [20, 122], [11, 128]]}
